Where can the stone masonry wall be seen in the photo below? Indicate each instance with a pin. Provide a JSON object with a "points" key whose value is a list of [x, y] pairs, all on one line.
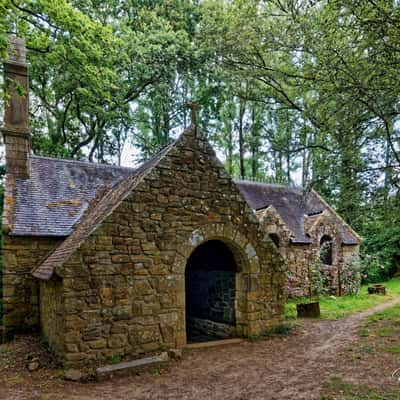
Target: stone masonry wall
{"points": [[125, 288], [52, 314], [325, 226], [350, 252], [20, 289], [300, 256]]}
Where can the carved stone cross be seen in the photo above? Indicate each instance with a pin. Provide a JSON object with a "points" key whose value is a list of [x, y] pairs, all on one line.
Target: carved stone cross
{"points": [[194, 109]]}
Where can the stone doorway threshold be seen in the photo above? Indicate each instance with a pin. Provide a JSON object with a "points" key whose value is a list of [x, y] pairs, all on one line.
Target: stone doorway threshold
{"points": [[213, 343]]}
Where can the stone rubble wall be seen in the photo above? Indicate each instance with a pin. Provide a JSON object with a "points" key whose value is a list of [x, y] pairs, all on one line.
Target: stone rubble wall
{"points": [[300, 256], [20, 289], [124, 289]]}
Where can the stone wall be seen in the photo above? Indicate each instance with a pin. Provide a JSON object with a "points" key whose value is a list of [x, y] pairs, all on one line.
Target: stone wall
{"points": [[300, 256], [350, 252], [125, 288], [20, 289], [52, 314], [325, 225]]}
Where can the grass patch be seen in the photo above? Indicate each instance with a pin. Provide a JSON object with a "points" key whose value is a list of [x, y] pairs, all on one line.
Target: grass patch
{"points": [[338, 389], [379, 344], [391, 349], [384, 324], [333, 307]]}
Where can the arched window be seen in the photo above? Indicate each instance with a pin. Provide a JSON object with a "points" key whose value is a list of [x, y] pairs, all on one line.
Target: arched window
{"points": [[275, 239], [325, 250]]}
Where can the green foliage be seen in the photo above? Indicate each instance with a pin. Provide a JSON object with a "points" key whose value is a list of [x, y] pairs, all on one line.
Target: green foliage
{"points": [[373, 270], [90, 64], [351, 276], [291, 92], [351, 391], [381, 253], [316, 279], [1, 252], [333, 307]]}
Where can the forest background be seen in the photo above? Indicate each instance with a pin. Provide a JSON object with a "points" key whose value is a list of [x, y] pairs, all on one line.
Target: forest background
{"points": [[296, 92]]}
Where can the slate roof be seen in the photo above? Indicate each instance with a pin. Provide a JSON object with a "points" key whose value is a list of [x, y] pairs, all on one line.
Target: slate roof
{"points": [[94, 216], [58, 193], [65, 198], [293, 205]]}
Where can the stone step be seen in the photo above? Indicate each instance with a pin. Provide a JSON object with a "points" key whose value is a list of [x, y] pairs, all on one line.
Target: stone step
{"points": [[213, 343], [125, 367]]}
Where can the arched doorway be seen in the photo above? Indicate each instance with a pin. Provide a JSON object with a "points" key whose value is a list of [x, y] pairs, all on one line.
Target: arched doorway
{"points": [[210, 292]]}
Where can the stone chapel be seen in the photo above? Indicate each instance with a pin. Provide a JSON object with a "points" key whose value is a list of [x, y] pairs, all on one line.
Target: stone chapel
{"points": [[108, 261]]}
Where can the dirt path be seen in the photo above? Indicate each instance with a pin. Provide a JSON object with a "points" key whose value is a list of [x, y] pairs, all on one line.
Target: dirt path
{"points": [[293, 367]]}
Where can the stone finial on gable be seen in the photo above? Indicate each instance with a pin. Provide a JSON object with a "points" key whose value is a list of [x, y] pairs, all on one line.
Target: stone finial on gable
{"points": [[194, 109]]}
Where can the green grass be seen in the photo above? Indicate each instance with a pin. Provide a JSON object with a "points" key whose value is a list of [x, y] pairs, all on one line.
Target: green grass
{"points": [[379, 344], [348, 391], [383, 324], [391, 349], [339, 307], [391, 314]]}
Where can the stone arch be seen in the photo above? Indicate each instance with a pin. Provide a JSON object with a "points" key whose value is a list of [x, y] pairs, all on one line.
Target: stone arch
{"points": [[246, 260], [242, 249], [326, 227]]}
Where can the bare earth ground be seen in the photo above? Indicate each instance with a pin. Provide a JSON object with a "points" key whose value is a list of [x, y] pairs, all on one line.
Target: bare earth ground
{"points": [[285, 367]]}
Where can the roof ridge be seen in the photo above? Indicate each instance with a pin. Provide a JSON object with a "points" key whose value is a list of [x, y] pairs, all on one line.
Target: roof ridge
{"points": [[278, 185], [89, 163]]}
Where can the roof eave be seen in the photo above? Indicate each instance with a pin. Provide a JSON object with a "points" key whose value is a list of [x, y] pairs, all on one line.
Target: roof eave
{"points": [[44, 276]]}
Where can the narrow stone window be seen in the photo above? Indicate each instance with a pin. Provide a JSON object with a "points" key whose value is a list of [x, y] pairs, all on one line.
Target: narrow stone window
{"points": [[326, 250], [275, 239]]}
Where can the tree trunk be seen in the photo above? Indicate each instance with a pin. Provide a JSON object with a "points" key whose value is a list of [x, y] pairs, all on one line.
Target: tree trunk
{"points": [[242, 109]]}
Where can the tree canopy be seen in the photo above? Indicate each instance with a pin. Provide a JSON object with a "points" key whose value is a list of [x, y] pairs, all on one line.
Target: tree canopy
{"points": [[292, 91]]}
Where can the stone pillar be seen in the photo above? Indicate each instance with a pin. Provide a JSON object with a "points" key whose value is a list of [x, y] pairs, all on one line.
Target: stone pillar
{"points": [[16, 119]]}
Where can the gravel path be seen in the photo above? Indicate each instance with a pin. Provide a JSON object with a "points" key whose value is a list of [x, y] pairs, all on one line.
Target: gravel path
{"points": [[293, 367]]}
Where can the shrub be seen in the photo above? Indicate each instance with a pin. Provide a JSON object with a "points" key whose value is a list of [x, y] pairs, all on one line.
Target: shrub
{"points": [[1, 253], [374, 270], [351, 276], [380, 251]]}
